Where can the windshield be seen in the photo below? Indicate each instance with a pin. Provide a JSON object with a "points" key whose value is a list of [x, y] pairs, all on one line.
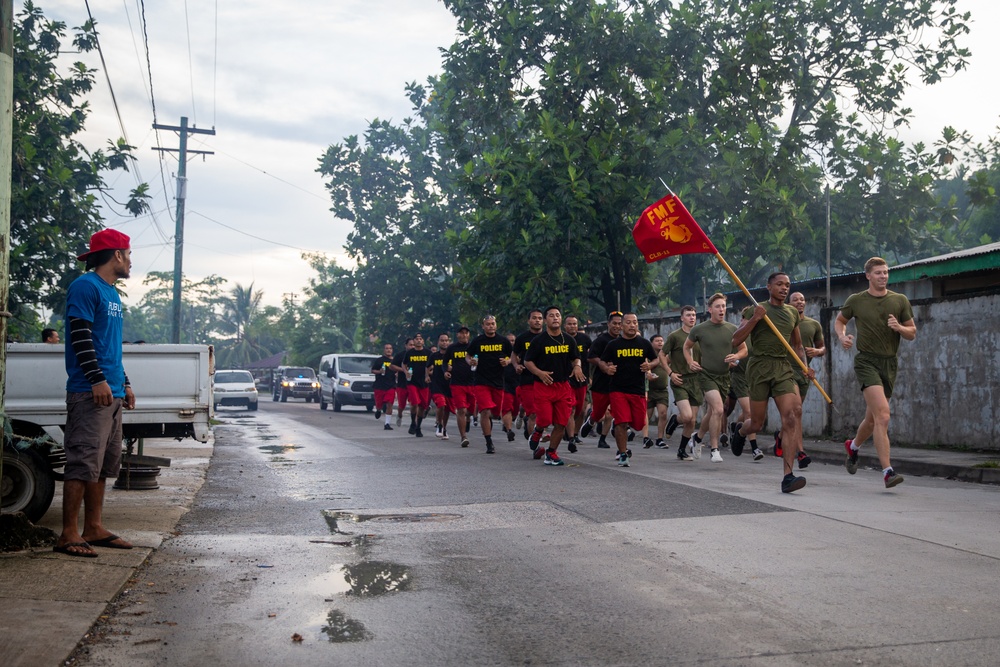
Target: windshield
{"points": [[299, 373], [356, 365], [231, 377]]}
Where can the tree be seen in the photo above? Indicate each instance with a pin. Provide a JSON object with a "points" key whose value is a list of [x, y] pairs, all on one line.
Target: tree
{"points": [[201, 306], [241, 309], [564, 113], [398, 194], [55, 179]]}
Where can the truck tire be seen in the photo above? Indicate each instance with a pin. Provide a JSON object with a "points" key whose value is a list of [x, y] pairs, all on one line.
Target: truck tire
{"points": [[284, 396], [336, 404], [274, 397], [323, 405], [27, 484]]}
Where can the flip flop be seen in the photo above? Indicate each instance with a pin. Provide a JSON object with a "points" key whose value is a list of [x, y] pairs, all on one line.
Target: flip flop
{"points": [[109, 542], [65, 549]]}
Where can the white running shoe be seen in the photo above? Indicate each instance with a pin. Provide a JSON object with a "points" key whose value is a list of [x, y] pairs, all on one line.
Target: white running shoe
{"points": [[519, 424], [696, 446], [716, 456], [399, 421], [437, 431], [757, 455]]}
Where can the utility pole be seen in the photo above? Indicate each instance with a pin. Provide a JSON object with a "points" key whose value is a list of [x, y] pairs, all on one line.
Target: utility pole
{"points": [[183, 131], [6, 152]]}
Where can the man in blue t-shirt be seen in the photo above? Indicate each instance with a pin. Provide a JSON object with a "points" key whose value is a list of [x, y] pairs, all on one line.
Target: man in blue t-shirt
{"points": [[96, 392]]}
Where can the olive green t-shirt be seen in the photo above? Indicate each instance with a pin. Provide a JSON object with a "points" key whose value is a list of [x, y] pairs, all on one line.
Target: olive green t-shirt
{"points": [[742, 366], [716, 342], [662, 381], [811, 333], [765, 343], [673, 347], [871, 314]]}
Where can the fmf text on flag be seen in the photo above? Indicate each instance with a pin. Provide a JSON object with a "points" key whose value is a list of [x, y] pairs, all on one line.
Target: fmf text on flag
{"points": [[666, 228]]}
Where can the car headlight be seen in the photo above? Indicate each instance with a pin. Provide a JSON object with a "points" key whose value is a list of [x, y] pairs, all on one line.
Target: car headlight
{"points": [[344, 383], [315, 385]]}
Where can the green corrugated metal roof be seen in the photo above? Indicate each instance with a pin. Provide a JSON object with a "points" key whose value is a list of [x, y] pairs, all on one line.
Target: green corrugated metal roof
{"points": [[980, 258]]}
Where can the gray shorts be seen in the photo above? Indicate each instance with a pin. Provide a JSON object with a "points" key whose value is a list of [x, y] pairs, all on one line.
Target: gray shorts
{"points": [[93, 438]]}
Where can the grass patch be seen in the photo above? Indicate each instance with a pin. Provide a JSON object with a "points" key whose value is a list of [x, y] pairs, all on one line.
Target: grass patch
{"points": [[987, 464]]}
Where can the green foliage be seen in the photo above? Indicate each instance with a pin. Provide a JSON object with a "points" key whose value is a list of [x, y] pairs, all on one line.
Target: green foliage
{"points": [[55, 178]]}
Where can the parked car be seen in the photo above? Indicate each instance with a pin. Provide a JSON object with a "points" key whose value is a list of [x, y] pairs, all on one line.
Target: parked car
{"points": [[295, 381], [234, 388], [347, 379]]}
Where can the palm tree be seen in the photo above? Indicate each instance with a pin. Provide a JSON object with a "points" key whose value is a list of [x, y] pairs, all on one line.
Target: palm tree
{"points": [[240, 309]]}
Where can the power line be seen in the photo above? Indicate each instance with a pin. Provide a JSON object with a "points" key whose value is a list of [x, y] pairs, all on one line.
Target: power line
{"points": [[187, 28], [215, 64], [268, 174], [259, 238]]}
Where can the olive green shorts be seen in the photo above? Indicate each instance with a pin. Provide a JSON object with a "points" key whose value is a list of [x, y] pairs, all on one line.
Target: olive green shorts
{"points": [[710, 381], [658, 396], [872, 369], [802, 381], [769, 376], [690, 391], [738, 384]]}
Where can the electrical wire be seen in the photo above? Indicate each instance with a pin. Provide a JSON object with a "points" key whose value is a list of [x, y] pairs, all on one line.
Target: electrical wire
{"points": [[266, 173], [259, 238], [187, 28], [215, 65]]}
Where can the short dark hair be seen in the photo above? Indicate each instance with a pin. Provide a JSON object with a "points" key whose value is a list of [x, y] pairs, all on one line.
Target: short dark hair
{"points": [[654, 337], [545, 313], [770, 278], [47, 334], [685, 309], [537, 310], [100, 258]]}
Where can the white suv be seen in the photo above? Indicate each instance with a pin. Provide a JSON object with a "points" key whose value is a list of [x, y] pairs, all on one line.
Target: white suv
{"points": [[234, 388]]}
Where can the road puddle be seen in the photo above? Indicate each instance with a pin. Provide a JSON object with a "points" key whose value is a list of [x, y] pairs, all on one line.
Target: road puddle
{"points": [[279, 449], [340, 628], [366, 579]]}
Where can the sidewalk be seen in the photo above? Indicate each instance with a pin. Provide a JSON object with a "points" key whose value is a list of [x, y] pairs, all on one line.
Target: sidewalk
{"points": [[49, 601]]}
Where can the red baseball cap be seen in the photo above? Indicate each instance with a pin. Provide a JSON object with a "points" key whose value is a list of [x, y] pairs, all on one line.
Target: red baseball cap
{"points": [[106, 239]]}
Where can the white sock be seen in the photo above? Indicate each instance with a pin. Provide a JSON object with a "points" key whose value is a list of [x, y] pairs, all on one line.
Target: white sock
{"points": [[887, 471], [854, 446]]}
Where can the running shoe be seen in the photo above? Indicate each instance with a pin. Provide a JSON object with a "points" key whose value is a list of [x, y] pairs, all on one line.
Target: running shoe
{"points": [[489, 448], [804, 460], [387, 427], [519, 422], [682, 455], [661, 443], [444, 435], [510, 435], [672, 425], [695, 446], [892, 479], [571, 446], [378, 413], [552, 459], [628, 453], [413, 428], [623, 460], [778, 451], [586, 429], [603, 443], [399, 421], [475, 421], [465, 442], [647, 443], [631, 435], [739, 440], [437, 431], [792, 483], [716, 456], [757, 454], [538, 452], [535, 438], [852, 458], [418, 433]]}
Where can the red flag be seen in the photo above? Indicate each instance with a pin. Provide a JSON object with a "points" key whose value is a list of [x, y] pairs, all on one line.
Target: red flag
{"points": [[666, 229]]}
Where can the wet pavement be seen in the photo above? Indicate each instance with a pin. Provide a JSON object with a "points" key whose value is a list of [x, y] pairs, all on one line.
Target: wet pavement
{"points": [[317, 538]]}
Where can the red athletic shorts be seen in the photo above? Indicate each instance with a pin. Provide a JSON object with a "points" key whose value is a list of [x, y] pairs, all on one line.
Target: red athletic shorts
{"points": [[601, 403], [489, 398], [462, 397], [442, 402], [401, 397], [579, 399], [526, 397], [384, 397], [419, 396], [554, 402], [628, 409], [510, 403]]}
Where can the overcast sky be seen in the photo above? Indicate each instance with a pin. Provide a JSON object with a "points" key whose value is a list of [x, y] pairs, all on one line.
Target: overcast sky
{"points": [[280, 82]]}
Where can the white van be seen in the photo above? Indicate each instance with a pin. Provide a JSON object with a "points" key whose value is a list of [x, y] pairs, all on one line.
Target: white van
{"points": [[346, 379]]}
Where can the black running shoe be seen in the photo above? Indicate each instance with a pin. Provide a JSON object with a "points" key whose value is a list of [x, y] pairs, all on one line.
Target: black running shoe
{"points": [[792, 483], [510, 435], [672, 425], [465, 442], [628, 453], [571, 446], [631, 435], [852, 458], [804, 460], [892, 479], [386, 428], [586, 429], [661, 444], [413, 429], [378, 413], [489, 448], [738, 442], [418, 433], [647, 443], [603, 443]]}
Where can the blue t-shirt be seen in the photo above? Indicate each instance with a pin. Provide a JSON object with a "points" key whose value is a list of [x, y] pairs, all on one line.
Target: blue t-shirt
{"points": [[90, 298]]}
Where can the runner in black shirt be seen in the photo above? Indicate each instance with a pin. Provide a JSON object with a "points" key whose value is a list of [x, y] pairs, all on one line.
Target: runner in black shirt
{"points": [[625, 360], [385, 385], [397, 365], [415, 365], [552, 357], [599, 386], [440, 390], [488, 354], [460, 379], [526, 387], [571, 325]]}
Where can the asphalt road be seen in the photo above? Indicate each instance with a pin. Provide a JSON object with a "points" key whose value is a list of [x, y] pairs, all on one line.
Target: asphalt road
{"points": [[378, 548]]}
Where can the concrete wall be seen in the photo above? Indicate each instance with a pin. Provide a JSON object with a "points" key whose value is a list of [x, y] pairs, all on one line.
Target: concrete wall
{"points": [[948, 387]]}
